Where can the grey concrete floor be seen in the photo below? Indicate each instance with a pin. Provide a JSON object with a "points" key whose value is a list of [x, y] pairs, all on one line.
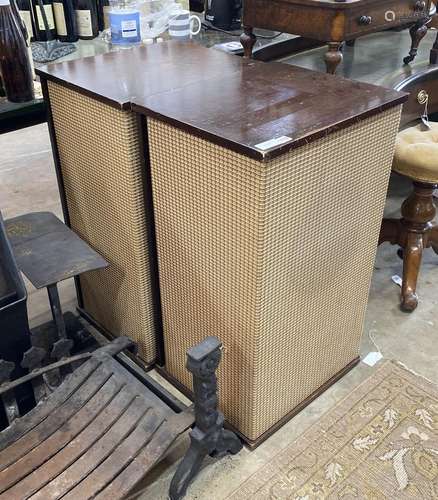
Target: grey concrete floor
{"points": [[28, 183]]}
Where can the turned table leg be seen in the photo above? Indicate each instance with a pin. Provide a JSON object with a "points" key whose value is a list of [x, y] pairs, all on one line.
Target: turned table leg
{"points": [[333, 57], [417, 32], [248, 40], [433, 58]]}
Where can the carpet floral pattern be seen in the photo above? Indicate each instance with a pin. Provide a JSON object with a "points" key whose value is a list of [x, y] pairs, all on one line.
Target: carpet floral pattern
{"points": [[381, 442]]}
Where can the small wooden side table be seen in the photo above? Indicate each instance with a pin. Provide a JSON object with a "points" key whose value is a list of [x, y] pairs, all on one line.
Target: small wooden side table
{"points": [[335, 21]]}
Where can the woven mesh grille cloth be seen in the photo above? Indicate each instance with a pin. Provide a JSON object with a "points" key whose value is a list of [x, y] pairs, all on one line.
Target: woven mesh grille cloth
{"points": [[274, 258], [100, 158]]}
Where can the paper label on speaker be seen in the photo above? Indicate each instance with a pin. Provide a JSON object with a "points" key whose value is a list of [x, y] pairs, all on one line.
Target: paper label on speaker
{"points": [[272, 143]]}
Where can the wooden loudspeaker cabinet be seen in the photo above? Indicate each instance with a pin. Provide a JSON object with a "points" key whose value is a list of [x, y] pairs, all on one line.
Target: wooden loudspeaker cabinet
{"points": [[101, 165], [275, 257], [267, 200]]}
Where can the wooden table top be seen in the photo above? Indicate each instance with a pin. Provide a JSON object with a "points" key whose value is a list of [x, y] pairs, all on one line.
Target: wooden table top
{"points": [[119, 78], [240, 104]]}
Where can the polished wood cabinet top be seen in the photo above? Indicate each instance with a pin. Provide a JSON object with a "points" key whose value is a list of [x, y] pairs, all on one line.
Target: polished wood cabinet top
{"points": [[118, 78], [258, 109]]}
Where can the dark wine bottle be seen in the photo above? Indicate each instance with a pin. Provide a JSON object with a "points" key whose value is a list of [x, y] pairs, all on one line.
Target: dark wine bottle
{"points": [[25, 13], [14, 57], [65, 20], [22, 25], [103, 8], [86, 19], [40, 33], [2, 87]]}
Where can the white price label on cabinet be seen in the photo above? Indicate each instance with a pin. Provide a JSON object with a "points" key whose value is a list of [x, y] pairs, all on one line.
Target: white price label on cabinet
{"points": [[272, 143]]}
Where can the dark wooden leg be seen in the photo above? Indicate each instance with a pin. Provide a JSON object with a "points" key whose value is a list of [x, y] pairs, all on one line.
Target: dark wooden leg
{"points": [[412, 254], [390, 231], [418, 210], [433, 239], [433, 58], [208, 436], [248, 40], [333, 57], [418, 32]]}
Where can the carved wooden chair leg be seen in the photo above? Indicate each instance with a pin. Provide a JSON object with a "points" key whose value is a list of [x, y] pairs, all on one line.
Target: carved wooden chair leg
{"points": [[433, 239], [208, 436], [248, 40], [417, 32], [412, 254], [333, 57], [390, 231], [418, 210]]}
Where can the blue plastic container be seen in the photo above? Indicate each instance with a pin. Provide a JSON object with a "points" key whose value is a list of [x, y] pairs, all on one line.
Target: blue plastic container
{"points": [[125, 26]]}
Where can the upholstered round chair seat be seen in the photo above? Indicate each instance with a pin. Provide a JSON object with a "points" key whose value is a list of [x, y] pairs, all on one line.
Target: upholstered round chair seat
{"points": [[416, 153]]}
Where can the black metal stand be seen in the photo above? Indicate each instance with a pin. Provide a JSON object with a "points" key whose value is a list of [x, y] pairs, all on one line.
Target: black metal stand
{"points": [[208, 436], [55, 306], [48, 252], [63, 346]]}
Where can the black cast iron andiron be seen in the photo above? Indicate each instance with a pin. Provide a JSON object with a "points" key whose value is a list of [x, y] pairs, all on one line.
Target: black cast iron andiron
{"points": [[208, 436]]}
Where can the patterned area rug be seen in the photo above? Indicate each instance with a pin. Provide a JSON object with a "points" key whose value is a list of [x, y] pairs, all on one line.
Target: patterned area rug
{"points": [[381, 442]]}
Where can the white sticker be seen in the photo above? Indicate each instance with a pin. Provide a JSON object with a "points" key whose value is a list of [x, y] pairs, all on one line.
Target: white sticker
{"points": [[372, 358], [397, 280], [129, 28], [272, 143], [233, 45]]}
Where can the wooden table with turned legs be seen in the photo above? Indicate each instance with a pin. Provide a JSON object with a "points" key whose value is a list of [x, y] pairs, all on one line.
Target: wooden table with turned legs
{"points": [[335, 21]]}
